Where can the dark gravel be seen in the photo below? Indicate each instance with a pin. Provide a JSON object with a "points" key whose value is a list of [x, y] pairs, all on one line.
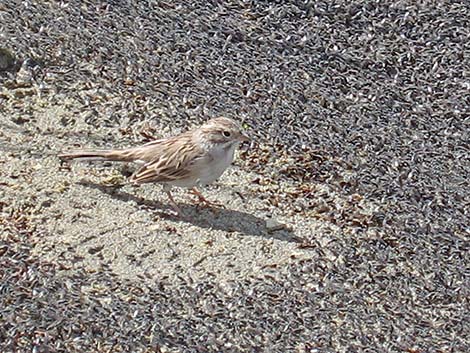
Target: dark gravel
{"points": [[380, 90]]}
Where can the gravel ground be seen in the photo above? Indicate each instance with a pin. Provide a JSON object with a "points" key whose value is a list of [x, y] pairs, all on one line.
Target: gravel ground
{"points": [[359, 112]]}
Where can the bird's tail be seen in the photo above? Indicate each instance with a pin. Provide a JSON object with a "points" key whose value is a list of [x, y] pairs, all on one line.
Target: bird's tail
{"points": [[99, 155]]}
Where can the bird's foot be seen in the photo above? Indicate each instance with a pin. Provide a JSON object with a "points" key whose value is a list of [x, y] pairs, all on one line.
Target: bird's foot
{"points": [[203, 202]]}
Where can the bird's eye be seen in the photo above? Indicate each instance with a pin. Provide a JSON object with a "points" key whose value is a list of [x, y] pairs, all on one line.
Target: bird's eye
{"points": [[226, 133]]}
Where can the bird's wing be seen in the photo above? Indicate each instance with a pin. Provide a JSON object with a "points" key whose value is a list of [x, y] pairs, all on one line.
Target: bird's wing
{"points": [[174, 159]]}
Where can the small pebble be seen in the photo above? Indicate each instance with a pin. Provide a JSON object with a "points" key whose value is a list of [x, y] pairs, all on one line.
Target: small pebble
{"points": [[273, 225]]}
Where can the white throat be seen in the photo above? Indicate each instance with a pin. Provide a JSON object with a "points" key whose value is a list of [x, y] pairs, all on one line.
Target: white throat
{"points": [[222, 156]]}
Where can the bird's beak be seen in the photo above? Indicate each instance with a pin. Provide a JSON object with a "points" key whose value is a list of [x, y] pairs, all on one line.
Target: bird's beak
{"points": [[243, 138]]}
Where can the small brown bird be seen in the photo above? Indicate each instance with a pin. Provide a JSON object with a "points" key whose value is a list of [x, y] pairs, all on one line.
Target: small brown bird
{"points": [[193, 158]]}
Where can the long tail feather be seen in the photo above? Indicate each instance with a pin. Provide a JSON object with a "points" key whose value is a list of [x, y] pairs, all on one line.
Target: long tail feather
{"points": [[98, 155]]}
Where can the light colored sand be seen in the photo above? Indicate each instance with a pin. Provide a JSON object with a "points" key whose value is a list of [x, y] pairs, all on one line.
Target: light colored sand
{"points": [[82, 222]]}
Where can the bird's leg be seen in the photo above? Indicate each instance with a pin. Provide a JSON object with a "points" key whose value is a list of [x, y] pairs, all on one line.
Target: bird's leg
{"points": [[202, 200], [173, 203], [200, 197]]}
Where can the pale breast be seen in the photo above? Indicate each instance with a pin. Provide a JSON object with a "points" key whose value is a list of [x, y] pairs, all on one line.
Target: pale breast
{"points": [[220, 161], [207, 170]]}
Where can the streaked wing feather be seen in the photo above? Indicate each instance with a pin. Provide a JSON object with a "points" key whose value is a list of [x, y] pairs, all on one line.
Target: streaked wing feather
{"points": [[173, 162]]}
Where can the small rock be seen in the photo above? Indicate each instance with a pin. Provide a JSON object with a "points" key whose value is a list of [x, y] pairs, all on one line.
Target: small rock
{"points": [[272, 225], [7, 59], [95, 250], [154, 227]]}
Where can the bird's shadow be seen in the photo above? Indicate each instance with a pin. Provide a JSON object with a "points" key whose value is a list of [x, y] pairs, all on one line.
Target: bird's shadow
{"points": [[211, 218]]}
